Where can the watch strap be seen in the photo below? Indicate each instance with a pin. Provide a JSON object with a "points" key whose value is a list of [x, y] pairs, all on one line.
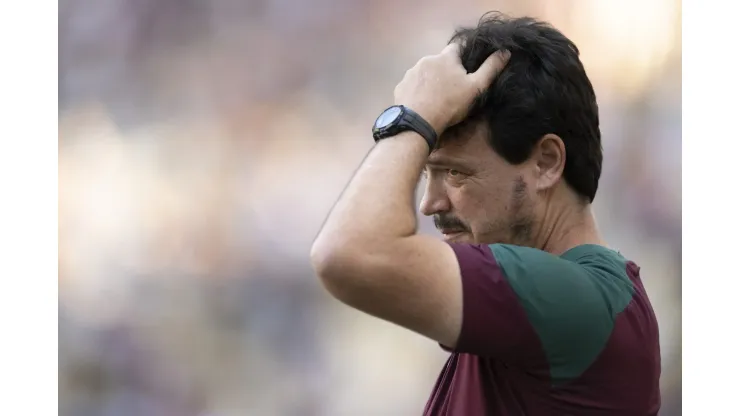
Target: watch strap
{"points": [[413, 121]]}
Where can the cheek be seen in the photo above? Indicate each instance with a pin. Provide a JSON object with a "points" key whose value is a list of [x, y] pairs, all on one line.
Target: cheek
{"points": [[477, 206]]}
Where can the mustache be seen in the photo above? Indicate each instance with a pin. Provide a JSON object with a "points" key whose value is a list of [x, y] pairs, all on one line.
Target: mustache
{"points": [[449, 222]]}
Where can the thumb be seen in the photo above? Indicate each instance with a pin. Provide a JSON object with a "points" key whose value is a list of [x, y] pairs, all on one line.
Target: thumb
{"points": [[491, 67]]}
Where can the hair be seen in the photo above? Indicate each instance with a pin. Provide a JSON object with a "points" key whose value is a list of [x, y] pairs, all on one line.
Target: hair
{"points": [[542, 90]]}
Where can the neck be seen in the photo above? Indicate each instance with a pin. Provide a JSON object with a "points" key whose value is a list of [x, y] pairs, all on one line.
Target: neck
{"points": [[568, 227]]}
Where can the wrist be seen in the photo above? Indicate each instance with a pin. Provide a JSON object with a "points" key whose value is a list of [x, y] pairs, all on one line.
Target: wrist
{"points": [[399, 118], [437, 121], [409, 139]]}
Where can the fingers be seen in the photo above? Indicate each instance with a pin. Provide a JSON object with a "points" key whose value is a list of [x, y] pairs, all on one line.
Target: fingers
{"points": [[491, 67]]}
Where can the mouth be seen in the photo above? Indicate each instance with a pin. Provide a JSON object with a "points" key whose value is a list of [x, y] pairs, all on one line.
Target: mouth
{"points": [[450, 233]]}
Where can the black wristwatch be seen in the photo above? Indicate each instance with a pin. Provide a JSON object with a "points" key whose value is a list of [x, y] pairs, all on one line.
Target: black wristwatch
{"points": [[399, 118]]}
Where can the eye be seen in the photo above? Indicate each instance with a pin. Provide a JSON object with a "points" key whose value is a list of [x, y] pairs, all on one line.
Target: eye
{"points": [[453, 172]]}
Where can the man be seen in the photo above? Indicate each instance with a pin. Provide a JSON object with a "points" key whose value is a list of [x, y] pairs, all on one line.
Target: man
{"points": [[540, 316]]}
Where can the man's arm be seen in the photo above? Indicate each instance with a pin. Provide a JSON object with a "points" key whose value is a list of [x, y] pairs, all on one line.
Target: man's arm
{"points": [[369, 256], [367, 253]]}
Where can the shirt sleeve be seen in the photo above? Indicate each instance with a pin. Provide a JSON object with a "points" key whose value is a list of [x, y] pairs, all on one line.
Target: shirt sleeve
{"points": [[522, 305]]}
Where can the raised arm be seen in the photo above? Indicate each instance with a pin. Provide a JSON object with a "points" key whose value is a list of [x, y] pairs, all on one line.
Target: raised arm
{"points": [[368, 254]]}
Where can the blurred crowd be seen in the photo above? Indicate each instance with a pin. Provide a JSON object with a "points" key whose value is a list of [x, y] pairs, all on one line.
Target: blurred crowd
{"points": [[201, 144]]}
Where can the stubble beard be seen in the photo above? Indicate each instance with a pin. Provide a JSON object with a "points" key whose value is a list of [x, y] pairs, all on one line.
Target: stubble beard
{"points": [[517, 228]]}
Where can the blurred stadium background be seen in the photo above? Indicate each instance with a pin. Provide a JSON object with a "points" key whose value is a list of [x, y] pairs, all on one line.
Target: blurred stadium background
{"points": [[202, 142]]}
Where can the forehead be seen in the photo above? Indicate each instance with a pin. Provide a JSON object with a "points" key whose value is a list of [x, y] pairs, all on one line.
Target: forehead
{"points": [[466, 144]]}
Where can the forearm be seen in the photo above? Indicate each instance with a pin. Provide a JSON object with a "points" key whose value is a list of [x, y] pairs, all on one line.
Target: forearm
{"points": [[377, 206]]}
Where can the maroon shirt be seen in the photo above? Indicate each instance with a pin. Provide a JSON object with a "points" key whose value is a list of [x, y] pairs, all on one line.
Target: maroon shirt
{"points": [[548, 335]]}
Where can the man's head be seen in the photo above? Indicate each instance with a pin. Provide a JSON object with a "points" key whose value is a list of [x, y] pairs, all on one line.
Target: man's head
{"points": [[530, 147]]}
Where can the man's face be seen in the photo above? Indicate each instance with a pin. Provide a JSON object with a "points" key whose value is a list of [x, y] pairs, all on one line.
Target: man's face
{"points": [[476, 196]]}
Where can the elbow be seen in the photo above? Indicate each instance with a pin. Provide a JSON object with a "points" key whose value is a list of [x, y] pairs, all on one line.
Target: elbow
{"points": [[323, 260], [337, 267]]}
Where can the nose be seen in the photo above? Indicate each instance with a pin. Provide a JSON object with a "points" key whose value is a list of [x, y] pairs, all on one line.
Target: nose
{"points": [[435, 199]]}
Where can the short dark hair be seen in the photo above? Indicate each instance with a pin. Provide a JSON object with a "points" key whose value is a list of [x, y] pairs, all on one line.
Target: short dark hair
{"points": [[543, 89]]}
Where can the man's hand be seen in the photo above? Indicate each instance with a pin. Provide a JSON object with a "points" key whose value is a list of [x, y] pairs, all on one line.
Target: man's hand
{"points": [[440, 90]]}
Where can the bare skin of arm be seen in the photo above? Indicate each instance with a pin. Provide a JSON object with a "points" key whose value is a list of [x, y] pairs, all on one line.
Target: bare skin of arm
{"points": [[368, 254]]}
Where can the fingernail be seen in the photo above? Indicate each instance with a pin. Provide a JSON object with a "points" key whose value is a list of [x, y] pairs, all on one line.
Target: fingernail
{"points": [[506, 54]]}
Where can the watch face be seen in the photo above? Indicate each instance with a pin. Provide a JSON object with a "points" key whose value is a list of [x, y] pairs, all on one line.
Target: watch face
{"points": [[387, 117]]}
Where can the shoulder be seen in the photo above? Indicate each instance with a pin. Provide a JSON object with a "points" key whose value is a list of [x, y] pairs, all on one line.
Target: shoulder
{"points": [[582, 274], [569, 301]]}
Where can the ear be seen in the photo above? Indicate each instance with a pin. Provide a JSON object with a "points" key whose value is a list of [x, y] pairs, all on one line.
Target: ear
{"points": [[549, 158]]}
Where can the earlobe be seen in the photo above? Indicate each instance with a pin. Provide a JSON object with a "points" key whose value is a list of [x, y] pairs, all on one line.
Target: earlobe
{"points": [[550, 158]]}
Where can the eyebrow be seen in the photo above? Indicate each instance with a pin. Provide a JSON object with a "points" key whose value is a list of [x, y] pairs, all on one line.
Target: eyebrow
{"points": [[445, 162]]}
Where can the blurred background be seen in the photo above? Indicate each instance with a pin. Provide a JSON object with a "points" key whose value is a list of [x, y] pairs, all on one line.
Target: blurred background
{"points": [[201, 144]]}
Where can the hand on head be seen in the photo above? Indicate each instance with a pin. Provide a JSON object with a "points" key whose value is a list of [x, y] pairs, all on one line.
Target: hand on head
{"points": [[440, 89]]}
